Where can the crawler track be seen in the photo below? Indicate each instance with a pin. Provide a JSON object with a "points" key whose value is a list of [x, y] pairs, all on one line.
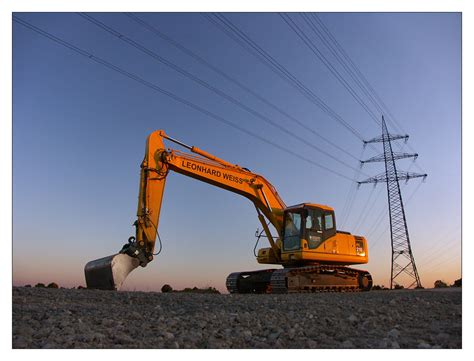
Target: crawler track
{"points": [[316, 278]]}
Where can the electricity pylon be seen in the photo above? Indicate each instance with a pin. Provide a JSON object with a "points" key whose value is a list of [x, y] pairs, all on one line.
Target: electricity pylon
{"points": [[403, 262]]}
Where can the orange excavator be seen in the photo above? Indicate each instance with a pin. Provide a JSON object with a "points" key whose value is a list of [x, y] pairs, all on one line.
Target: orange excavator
{"points": [[314, 255]]}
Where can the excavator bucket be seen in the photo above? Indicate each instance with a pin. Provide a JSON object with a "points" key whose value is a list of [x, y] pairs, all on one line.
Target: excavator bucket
{"points": [[108, 273]]}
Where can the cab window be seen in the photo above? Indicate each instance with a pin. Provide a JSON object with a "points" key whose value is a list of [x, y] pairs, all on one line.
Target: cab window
{"points": [[292, 235], [328, 222], [313, 228]]}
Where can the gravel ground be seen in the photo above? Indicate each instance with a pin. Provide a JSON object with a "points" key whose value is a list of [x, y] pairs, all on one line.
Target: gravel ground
{"points": [[63, 318]]}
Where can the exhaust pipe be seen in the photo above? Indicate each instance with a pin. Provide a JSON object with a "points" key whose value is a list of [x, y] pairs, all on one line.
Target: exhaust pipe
{"points": [[109, 273]]}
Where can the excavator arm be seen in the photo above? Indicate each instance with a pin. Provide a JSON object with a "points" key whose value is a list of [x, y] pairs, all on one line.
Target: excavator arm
{"points": [[109, 272]]}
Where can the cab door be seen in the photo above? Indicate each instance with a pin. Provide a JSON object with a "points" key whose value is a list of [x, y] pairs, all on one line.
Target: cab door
{"points": [[329, 225], [329, 230], [314, 228], [293, 230]]}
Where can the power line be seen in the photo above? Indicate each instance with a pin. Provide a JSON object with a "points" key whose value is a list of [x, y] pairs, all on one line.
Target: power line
{"points": [[375, 225], [378, 223], [204, 62], [208, 86], [356, 225], [383, 214], [454, 243], [349, 207], [300, 33], [438, 245], [350, 204], [346, 202], [354, 67], [369, 209], [443, 262], [335, 53], [248, 44], [436, 251], [347, 64], [169, 94], [361, 76], [351, 195], [386, 211]]}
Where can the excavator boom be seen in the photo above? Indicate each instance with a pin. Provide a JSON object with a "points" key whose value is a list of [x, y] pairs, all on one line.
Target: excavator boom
{"points": [[110, 272]]}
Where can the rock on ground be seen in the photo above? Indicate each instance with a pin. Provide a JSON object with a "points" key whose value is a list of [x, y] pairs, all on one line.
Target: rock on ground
{"points": [[62, 318]]}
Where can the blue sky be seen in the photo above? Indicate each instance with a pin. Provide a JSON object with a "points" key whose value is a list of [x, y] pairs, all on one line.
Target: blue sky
{"points": [[79, 133]]}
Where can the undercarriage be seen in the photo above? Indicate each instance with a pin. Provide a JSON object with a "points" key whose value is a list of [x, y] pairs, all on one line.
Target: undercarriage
{"points": [[315, 278]]}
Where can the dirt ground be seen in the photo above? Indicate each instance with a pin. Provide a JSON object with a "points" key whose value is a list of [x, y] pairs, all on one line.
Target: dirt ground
{"points": [[64, 318]]}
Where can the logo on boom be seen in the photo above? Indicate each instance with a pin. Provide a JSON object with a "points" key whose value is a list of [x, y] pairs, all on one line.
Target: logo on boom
{"points": [[210, 171]]}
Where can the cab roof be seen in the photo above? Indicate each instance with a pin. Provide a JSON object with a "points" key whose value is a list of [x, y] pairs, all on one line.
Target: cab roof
{"points": [[311, 205]]}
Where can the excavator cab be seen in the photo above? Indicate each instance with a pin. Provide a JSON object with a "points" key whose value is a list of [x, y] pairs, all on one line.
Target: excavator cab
{"points": [[309, 235], [307, 226]]}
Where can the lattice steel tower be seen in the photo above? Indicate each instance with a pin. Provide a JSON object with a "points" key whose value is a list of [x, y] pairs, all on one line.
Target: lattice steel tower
{"points": [[403, 262]]}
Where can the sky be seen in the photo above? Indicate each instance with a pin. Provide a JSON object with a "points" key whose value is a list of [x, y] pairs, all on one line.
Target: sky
{"points": [[79, 132]]}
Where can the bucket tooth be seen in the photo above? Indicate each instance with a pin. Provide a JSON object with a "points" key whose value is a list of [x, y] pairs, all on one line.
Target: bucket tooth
{"points": [[108, 273]]}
